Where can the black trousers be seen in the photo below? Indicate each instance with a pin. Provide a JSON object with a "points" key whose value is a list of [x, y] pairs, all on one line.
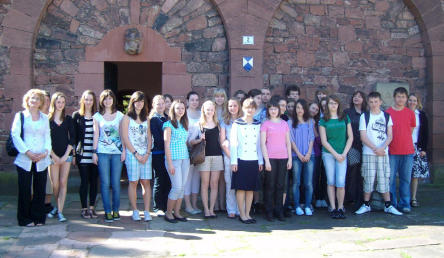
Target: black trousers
{"points": [[274, 186], [354, 186], [31, 209], [162, 183], [88, 177], [319, 180]]}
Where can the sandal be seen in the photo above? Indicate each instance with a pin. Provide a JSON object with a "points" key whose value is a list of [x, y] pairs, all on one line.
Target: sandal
{"points": [[30, 225], [414, 203]]}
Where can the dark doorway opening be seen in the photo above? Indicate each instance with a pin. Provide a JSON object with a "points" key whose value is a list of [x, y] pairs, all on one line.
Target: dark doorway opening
{"points": [[124, 78]]}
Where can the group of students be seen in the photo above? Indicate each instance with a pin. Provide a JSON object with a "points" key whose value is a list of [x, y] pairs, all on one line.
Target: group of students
{"points": [[281, 150]]}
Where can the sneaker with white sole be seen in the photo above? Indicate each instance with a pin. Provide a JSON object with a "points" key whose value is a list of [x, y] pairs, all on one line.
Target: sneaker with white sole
{"points": [[197, 211], [363, 209], [299, 211], [52, 213], [318, 204], [406, 210], [392, 210], [136, 216], [308, 211], [147, 216], [61, 217]]}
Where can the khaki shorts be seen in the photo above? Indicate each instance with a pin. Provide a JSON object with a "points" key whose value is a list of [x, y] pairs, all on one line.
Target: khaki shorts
{"points": [[212, 163], [376, 169]]}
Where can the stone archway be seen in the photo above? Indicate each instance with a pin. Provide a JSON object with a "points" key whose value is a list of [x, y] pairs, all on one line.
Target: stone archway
{"points": [[175, 79]]}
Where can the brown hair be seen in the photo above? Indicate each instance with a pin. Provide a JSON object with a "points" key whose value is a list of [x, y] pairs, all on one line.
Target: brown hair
{"points": [[173, 117], [52, 108], [82, 102], [28, 95], [327, 115], [227, 115], [103, 96], [138, 96]]}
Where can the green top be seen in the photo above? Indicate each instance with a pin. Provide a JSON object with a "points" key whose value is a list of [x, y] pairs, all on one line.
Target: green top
{"points": [[336, 131]]}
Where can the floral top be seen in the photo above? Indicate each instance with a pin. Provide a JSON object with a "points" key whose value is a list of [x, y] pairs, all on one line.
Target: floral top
{"points": [[138, 136]]}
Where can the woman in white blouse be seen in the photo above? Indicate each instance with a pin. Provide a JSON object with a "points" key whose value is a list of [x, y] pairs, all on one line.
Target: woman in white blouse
{"points": [[33, 159], [246, 158]]}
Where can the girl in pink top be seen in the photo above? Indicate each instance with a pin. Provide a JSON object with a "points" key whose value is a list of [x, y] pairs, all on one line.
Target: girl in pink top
{"points": [[276, 149]]}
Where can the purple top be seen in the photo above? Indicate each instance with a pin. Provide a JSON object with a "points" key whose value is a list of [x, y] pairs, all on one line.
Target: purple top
{"points": [[302, 135]]}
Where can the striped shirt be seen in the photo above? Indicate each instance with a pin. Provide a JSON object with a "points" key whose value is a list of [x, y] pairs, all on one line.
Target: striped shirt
{"points": [[88, 142]]}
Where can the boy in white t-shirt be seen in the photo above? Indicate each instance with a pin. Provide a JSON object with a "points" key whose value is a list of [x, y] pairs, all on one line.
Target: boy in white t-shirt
{"points": [[375, 127]]}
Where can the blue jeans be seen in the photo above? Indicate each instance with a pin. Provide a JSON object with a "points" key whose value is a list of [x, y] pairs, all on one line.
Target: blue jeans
{"points": [[401, 165], [334, 170], [300, 167], [110, 170]]}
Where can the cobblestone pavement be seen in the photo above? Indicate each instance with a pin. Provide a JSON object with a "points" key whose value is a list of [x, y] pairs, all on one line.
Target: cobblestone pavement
{"points": [[418, 234]]}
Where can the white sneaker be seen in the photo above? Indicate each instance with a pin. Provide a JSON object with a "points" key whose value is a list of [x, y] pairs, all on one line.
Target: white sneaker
{"points": [[392, 210], [364, 209], [52, 213], [61, 217], [324, 204], [147, 216], [136, 216], [308, 211], [299, 211], [160, 213], [197, 211], [318, 204]]}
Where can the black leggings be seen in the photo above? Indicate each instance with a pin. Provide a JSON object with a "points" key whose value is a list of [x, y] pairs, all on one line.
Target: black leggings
{"points": [[31, 210], [354, 185], [162, 183], [88, 176]]}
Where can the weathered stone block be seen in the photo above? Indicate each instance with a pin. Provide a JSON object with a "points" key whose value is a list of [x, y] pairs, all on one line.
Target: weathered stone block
{"points": [[206, 79]]}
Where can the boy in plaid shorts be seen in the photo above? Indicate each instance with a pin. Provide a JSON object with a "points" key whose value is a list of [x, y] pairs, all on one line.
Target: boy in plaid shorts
{"points": [[375, 127]]}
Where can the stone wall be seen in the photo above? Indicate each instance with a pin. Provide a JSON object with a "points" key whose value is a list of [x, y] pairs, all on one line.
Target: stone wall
{"points": [[69, 26], [344, 45]]}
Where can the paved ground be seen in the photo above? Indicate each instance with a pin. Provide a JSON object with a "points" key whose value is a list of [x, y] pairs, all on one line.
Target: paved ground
{"points": [[418, 234]]}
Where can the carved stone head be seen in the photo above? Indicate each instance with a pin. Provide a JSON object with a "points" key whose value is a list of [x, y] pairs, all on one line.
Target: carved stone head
{"points": [[133, 41]]}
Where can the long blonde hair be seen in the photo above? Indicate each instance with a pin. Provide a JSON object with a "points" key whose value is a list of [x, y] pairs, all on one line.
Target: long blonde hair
{"points": [[203, 118], [82, 102], [418, 100], [52, 107], [227, 115], [156, 99]]}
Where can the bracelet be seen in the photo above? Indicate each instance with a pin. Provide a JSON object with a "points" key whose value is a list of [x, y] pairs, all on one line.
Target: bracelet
{"points": [[135, 152]]}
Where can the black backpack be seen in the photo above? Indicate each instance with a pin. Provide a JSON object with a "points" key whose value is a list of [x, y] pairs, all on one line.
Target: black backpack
{"points": [[367, 119], [10, 148]]}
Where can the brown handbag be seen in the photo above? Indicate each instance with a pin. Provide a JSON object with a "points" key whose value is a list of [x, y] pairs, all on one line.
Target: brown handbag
{"points": [[197, 153]]}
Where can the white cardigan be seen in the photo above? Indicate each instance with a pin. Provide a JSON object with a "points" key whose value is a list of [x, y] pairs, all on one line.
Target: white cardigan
{"points": [[245, 141]]}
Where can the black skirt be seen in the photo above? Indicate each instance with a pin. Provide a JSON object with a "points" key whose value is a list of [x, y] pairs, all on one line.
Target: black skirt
{"points": [[246, 176]]}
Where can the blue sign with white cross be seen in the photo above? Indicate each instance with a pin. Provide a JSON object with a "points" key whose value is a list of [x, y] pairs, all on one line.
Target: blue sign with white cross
{"points": [[247, 63]]}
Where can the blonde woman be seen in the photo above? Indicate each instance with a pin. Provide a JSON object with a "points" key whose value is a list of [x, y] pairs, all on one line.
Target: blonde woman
{"points": [[210, 170], [33, 158], [220, 99], [63, 140], [162, 183], [234, 111]]}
